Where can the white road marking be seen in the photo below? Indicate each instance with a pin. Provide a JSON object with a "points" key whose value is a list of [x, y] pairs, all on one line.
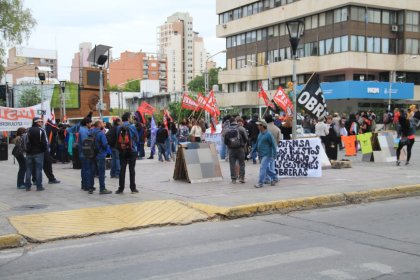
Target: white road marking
{"points": [[379, 267], [337, 274]]}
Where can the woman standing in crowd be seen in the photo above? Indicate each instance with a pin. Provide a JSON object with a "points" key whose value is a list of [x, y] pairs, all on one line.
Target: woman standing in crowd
{"points": [[196, 132], [20, 157], [407, 137], [322, 130]]}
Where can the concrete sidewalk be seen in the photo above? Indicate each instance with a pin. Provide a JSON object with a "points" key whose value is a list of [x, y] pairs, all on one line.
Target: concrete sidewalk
{"points": [[64, 210]]}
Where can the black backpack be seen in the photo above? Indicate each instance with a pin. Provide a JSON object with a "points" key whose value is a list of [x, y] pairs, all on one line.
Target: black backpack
{"points": [[89, 147], [233, 138]]}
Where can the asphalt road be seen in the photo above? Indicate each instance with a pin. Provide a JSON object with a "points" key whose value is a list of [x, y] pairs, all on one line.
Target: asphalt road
{"points": [[369, 241]]}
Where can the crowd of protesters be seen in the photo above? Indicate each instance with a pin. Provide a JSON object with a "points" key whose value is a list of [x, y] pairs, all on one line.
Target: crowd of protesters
{"points": [[258, 141]]}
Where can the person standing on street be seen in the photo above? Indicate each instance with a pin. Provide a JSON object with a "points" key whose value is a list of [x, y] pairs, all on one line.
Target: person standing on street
{"points": [[276, 133], [126, 144], [253, 135], [111, 137], [102, 148], [267, 151], [235, 138], [161, 142], [20, 157], [37, 145], [87, 170], [407, 137]]}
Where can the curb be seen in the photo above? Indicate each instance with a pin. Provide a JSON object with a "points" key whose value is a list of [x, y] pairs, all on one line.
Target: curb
{"points": [[279, 206], [12, 241], [307, 203]]}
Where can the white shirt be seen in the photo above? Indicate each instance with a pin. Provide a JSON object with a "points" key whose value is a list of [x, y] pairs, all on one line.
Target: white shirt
{"points": [[322, 129]]}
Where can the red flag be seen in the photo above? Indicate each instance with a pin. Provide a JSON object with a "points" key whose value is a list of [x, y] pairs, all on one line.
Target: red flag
{"points": [[145, 108], [211, 105], [201, 100], [262, 94], [189, 103], [283, 101]]}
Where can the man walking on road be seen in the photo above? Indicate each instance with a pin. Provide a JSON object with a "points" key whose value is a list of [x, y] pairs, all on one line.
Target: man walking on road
{"points": [[37, 145], [267, 151], [128, 152]]}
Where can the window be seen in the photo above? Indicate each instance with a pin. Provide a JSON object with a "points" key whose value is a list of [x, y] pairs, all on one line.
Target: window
{"points": [[254, 85], [283, 54], [373, 44], [386, 17], [245, 11], [270, 32], [242, 86], [357, 43], [344, 40], [248, 37], [322, 19], [328, 46], [385, 45], [314, 21], [259, 35], [340, 15], [311, 49], [412, 21], [240, 62], [308, 23], [322, 47], [231, 87], [412, 46], [357, 14], [374, 16], [329, 17], [283, 30], [337, 45], [276, 30]]}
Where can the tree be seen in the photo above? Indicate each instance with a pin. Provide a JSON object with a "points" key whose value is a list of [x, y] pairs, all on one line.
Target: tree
{"points": [[197, 84], [129, 86], [16, 24], [30, 97]]}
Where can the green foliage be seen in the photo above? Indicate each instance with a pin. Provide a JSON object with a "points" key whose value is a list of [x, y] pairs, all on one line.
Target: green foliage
{"points": [[16, 24], [197, 84], [71, 93], [129, 86], [30, 97], [177, 114]]}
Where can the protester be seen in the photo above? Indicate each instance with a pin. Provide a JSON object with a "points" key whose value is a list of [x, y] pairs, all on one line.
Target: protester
{"points": [[87, 170], [18, 153], [322, 130], [235, 139], [173, 137], [37, 145], [267, 151], [128, 156], [225, 127], [396, 122], [111, 137], [407, 138], [161, 142], [253, 135], [276, 133], [331, 139], [141, 132], [101, 145], [196, 132], [153, 130]]}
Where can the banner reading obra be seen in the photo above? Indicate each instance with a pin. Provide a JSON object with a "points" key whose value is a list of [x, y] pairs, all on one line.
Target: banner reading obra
{"points": [[13, 118], [299, 158], [365, 142], [349, 144]]}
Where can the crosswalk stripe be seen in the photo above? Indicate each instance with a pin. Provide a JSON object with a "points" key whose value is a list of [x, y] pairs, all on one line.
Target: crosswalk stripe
{"points": [[379, 267], [337, 274], [222, 270]]}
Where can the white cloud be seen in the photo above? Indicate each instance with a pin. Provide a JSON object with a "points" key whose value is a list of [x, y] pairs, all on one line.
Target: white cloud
{"points": [[122, 24]]}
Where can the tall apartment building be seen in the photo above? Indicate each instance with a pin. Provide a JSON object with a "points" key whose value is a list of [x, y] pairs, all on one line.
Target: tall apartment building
{"points": [[138, 66], [364, 51], [79, 61], [183, 48], [22, 65]]}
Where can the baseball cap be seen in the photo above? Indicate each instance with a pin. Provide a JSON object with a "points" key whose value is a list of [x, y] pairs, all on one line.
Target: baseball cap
{"points": [[262, 122], [36, 119]]}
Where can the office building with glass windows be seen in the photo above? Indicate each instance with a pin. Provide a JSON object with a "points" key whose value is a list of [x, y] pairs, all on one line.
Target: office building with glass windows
{"points": [[365, 52]]}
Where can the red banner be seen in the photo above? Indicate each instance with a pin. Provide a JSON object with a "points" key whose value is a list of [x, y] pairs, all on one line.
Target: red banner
{"points": [[262, 94], [145, 108], [283, 101], [189, 103]]}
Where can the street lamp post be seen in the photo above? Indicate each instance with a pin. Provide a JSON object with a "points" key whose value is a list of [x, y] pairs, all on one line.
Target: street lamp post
{"points": [[41, 76], [63, 101], [206, 78], [295, 29]]}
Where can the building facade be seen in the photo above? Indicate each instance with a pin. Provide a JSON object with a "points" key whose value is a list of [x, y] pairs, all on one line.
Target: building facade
{"points": [[365, 41], [23, 65], [183, 48], [79, 61]]}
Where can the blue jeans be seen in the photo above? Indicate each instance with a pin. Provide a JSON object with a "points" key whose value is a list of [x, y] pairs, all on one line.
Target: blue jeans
{"points": [[168, 148], [115, 163], [31, 161], [223, 149], [272, 166], [266, 170], [174, 143], [101, 173], [162, 151], [254, 150], [87, 173], [140, 149]]}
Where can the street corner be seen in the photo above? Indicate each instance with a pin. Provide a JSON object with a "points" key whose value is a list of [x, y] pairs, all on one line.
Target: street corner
{"points": [[211, 210], [12, 241]]}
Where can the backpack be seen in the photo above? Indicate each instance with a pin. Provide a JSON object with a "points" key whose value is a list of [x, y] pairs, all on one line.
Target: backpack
{"points": [[25, 144], [89, 147], [233, 139], [124, 141]]}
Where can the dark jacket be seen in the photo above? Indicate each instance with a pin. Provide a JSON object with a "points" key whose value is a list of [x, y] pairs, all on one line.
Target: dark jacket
{"points": [[253, 129], [161, 135], [37, 140]]}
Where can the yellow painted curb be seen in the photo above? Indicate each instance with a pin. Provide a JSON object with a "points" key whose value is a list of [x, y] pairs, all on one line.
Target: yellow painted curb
{"points": [[11, 241], [330, 200]]}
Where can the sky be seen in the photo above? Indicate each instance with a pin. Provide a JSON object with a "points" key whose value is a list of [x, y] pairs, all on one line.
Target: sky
{"points": [[123, 24]]}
